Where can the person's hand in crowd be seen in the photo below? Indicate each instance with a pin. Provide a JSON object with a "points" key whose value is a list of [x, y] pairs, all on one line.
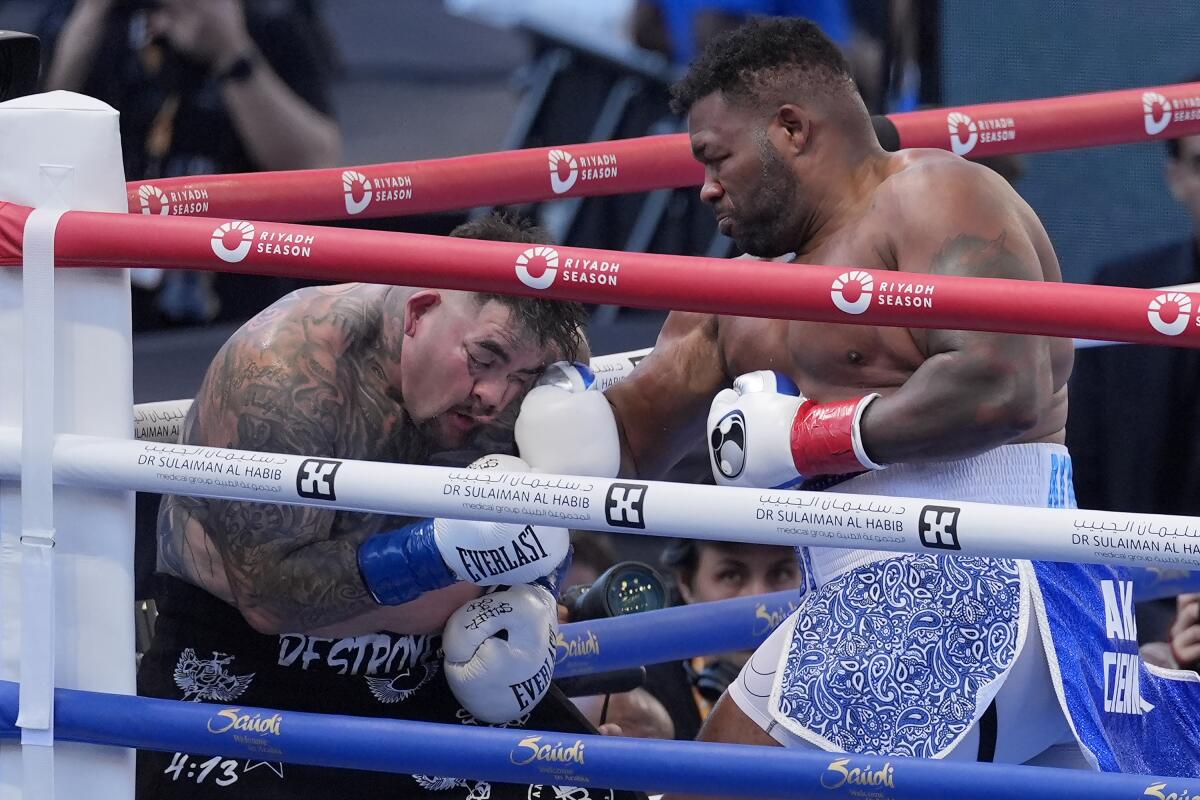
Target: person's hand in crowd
{"points": [[1185, 631], [635, 713], [211, 32]]}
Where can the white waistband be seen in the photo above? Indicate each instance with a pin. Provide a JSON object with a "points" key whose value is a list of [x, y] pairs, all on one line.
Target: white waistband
{"points": [[1014, 474]]}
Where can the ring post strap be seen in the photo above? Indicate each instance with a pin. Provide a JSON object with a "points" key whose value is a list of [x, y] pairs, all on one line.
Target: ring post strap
{"points": [[37, 505]]}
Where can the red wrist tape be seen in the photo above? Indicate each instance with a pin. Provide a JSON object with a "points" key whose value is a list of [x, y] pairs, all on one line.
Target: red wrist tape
{"points": [[823, 438]]}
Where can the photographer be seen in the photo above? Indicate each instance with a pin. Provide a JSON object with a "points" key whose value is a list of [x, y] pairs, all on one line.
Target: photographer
{"points": [[677, 695], [203, 87]]}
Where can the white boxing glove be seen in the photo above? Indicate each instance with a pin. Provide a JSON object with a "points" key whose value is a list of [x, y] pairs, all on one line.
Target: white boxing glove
{"points": [[493, 553], [764, 433], [398, 566], [499, 652], [749, 431], [566, 425]]}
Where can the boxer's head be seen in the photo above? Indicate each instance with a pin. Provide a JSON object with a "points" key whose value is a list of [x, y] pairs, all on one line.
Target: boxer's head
{"points": [[775, 118], [706, 571], [468, 358]]}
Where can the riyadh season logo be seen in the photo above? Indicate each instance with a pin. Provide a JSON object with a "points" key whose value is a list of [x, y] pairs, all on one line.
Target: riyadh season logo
{"points": [[146, 192], [573, 270], [566, 169], [855, 291], [1178, 303], [549, 258], [557, 182], [238, 230], [1158, 112], [360, 191], [1152, 103], [272, 243], [858, 285], [154, 200], [966, 132], [961, 124], [356, 183]]}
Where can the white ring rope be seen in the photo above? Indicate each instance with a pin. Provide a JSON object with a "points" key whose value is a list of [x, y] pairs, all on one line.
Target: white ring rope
{"points": [[791, 518]]}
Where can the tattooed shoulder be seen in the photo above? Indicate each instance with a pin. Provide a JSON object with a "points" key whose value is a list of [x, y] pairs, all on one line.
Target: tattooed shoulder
{"points": [[979, 256], [293, 383]]}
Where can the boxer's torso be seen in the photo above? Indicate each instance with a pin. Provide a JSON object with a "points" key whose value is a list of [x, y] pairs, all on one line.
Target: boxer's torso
{"points": [[833, 361]]}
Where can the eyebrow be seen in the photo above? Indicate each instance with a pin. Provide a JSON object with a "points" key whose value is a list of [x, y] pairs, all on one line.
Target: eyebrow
{"points": [[498, 350]]}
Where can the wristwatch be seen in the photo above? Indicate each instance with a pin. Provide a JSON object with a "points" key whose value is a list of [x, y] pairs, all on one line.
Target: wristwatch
{"points": [[239, 71]]}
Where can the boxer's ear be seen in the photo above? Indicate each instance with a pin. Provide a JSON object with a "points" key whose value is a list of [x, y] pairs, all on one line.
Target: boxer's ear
{"points": [[417, 306], [794, 126]]}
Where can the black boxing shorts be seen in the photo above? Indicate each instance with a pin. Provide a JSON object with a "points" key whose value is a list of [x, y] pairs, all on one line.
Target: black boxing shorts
{"points": [[204, 651]]}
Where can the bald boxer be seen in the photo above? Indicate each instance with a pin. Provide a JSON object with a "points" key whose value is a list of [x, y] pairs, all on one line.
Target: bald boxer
{"points": [[919, 655]]}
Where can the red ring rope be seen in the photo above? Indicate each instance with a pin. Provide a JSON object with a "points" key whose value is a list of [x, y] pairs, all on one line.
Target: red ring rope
{"points": [[722, 286], [651, 162]]}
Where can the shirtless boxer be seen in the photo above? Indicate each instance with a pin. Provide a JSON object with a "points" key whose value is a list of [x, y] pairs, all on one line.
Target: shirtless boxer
{"points": [[889, 654], [304, 608]]}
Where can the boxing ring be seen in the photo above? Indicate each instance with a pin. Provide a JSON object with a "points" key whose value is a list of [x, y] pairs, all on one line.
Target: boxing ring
{"points": [[68, 438]]}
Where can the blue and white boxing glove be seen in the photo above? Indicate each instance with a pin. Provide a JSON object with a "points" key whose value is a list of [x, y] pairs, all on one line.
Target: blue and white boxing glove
{"points": [[748, 431], [499, 652], [400, 565], [764, 433], [566, 425]]}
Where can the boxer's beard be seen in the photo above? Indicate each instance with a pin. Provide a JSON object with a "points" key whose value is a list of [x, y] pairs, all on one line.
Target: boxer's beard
{"points": [[762, 227]]}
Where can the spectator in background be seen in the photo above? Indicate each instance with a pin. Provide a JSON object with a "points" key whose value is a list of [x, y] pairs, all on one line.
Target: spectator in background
{"points": [[1134, 424], [880, 39], [678, 695], [203, 86], [1181, 650], [704, 572]]}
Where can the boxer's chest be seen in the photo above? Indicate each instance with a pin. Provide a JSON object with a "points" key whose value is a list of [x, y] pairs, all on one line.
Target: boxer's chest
{"points": [[828, 361]]}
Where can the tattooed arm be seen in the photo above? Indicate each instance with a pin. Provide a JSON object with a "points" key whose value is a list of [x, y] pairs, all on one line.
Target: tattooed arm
{"points": [[974, 391], [290, 382]]}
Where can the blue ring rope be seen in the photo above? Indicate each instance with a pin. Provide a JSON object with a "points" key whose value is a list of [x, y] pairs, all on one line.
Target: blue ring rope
{"points": [[682, 632], [672, 634], [539, 757]]}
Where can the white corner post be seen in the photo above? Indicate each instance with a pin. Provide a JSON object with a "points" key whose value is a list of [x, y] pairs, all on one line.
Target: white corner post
{"points": [[66, 554]]}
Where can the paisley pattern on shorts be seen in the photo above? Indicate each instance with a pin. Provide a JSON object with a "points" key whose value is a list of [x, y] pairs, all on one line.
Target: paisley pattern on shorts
{"points": [[890, 657]]}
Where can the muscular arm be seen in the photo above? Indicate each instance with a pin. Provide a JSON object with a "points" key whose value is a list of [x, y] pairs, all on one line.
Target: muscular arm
{"points": [[289, 568], [975, 390], [80, 39], [661, 407], [278, 128]]}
